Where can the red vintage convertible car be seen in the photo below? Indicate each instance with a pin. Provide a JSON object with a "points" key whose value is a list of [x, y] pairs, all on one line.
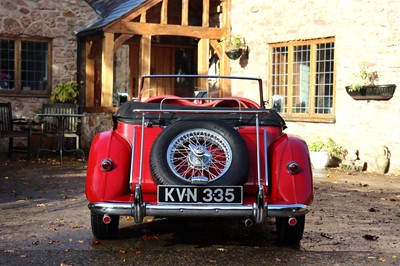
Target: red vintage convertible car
{"points": [[179, 151]]}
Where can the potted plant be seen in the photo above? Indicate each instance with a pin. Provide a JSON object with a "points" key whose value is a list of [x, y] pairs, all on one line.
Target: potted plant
{"points": [[318, 156], [65, 92], [325, 153], [365, 88], [234, 45]]}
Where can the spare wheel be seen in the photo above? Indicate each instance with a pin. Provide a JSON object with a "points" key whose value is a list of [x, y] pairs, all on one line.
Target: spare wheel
{"points": [[204, 152]]}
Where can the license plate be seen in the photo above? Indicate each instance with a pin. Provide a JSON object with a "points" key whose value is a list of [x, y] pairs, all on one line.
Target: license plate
{"points": [[192, 194]]}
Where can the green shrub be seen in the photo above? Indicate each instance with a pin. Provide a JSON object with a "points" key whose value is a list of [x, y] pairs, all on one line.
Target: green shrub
{"points": [[65, 92]]}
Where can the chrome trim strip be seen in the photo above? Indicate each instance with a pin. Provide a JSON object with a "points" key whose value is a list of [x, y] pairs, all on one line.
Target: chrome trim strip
{"points": [[141, 151], [132, 158], [258, 151], [199, 111], [266, 157]]}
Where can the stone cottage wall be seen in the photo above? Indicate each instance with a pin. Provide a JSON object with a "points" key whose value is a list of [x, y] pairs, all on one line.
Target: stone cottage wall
{"points": [[55, 19], [364, 31]]}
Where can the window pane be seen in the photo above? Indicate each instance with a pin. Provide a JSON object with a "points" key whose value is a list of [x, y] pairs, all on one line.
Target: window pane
{"points": [[301, 79], [7, 75], [280, 78], [34, 65], [324, 78]]}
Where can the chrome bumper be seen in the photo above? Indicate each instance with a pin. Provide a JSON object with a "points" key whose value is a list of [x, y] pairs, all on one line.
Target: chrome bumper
{"points": [[257, 211]]}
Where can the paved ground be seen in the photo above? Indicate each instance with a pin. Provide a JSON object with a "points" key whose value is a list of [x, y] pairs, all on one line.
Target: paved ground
{"points": [[355, 220]]}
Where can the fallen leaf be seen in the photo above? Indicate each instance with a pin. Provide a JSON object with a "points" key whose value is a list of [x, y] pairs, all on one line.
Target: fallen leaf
{"points": [[74, 227], [370, 237], [326, 236], [122, 251], [146, 237], [96, 243], [9, 251]]}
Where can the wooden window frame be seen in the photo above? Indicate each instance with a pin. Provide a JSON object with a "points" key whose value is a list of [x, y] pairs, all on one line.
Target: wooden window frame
{"points": [[311, 115], [18, 91]]}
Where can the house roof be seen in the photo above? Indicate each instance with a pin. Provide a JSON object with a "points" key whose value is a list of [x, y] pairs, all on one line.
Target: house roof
{"points": [[109, 12]]}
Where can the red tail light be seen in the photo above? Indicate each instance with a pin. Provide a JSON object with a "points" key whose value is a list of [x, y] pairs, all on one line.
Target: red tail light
{"points": [[106, 165], [293, 168]]}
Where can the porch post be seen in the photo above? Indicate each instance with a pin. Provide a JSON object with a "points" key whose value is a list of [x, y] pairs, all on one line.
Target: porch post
{"points": [[144, 57], [107, 73]]}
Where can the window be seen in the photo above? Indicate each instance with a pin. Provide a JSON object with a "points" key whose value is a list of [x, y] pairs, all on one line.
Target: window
{"points": [[24, 66], [302, 80]]}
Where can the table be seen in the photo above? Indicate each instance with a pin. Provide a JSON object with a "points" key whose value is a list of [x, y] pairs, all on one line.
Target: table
{"points": [[60, 135]]}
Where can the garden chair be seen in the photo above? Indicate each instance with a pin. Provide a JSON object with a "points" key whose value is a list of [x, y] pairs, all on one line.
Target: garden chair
{"points": [[14, 128]]}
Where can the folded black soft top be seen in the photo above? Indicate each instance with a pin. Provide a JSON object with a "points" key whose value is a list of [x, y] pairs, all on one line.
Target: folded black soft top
{"points": [[126, 114]]}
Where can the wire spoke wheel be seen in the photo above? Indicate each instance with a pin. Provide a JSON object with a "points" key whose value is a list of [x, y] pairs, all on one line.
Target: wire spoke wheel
{"points": [[199, 152]]}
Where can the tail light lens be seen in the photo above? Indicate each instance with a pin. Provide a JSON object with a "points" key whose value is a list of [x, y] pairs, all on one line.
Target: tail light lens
{"points": [[293, 168], [106, 165]]}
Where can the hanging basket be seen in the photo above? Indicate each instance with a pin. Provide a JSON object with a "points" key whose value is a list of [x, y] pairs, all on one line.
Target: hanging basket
{"points": [[373, 92], [234, 54]]}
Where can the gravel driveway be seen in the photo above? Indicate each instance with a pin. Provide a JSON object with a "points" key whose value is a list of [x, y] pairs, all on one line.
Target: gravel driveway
{"points": [[355, 219]]}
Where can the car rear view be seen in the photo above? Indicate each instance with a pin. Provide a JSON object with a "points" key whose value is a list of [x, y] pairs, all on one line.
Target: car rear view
{"points": [[183, 151]]}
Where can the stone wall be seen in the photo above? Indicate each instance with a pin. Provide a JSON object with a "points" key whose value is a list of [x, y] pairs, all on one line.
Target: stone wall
{"points": [[55, 19], [364, 31]]}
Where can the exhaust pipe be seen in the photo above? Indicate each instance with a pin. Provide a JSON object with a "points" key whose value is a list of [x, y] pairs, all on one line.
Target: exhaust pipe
{"points": [[248, 222]]}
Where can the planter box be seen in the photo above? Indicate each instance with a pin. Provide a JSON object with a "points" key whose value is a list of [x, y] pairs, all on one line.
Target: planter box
{"points": [[373, 92]]}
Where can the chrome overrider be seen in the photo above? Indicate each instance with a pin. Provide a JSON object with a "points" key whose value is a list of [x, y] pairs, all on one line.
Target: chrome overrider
{"points": [[258, 211]]}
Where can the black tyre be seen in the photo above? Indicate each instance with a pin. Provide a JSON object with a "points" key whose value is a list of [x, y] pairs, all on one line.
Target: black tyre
{"points": [[104, 231], [290, 234], [206, 150]]}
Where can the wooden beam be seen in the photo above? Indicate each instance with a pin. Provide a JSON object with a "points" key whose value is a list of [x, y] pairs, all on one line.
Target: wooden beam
{"points": [[121, 39], [143, 17], [203, 50], [136, 12], [206, 13], [185, 13], [164, 12], [89, 75], [174, 30], [144, 57], [216, 47], [225, 67], [107, 67]]}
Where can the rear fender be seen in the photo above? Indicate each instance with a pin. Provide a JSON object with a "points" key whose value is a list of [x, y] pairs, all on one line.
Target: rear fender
{"points": [[284, 186], [103, 186]]}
